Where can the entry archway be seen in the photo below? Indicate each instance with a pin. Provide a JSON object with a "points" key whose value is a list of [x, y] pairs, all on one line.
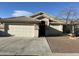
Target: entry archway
{"points": [[42, 29]]}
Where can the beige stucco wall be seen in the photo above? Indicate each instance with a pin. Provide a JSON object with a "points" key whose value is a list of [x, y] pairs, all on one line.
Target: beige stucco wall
{"points": [[57, 27], [36, 32], [23, 30], [46, 21], [54, 30]]}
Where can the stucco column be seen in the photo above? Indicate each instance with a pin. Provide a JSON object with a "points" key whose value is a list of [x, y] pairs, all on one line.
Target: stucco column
{"points": [[36, 33], [73, 29]]}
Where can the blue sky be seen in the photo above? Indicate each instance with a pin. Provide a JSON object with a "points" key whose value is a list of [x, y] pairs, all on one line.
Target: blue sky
{"points": [[13, 9]]}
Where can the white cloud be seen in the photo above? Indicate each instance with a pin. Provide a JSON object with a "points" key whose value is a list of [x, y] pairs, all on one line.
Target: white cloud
{"points": [[21, 13]]}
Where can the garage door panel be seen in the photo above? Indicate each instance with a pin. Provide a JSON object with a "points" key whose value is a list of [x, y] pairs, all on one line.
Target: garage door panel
{"points": [[21, 30]]}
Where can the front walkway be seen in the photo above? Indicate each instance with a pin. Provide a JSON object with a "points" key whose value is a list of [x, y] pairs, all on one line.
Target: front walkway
{"points": [[24, 46]]}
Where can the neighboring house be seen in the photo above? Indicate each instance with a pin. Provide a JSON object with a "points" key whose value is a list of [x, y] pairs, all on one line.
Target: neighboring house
{"points": [[2, 30], [40, 24], [76, 27]]}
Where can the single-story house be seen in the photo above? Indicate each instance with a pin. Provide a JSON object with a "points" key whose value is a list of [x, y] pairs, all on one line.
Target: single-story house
{"points": [[39, 24]]}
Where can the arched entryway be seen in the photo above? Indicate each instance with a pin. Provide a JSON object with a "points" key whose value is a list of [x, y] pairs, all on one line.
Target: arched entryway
{"points": [[42, 29]]}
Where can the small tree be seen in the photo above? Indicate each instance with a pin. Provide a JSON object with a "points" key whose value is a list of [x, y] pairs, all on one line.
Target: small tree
{"points": [[69, 15]]}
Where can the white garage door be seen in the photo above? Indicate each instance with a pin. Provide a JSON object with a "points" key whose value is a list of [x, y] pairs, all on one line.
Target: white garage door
{"points": [[21, 30]]}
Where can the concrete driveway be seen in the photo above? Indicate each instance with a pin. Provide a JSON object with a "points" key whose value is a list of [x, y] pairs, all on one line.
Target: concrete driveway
{"points": [[24, 46]]}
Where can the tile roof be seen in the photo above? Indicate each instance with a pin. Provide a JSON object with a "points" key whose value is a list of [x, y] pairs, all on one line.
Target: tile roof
{"points": [[18, 19]]}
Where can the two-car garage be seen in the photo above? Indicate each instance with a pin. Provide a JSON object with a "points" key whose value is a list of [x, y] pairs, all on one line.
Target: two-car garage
{"points": [[22, 30], [21, 26]]}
